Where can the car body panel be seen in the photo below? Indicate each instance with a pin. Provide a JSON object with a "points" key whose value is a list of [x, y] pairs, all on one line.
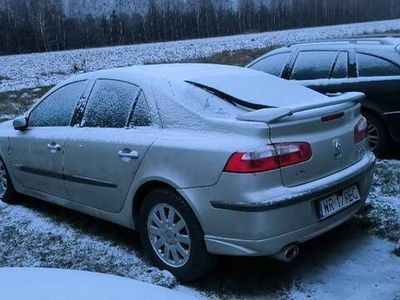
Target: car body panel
{"points": [[187, 149]]}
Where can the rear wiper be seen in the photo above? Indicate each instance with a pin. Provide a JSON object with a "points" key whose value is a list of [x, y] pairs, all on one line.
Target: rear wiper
{"points": [[232, 100]]}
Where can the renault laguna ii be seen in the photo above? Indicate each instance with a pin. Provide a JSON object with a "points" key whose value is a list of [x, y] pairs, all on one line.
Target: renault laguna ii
{"points": [[201, 159]]}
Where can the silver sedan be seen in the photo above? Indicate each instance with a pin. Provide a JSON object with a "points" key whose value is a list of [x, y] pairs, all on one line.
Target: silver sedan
{"points": [[201, 159]]}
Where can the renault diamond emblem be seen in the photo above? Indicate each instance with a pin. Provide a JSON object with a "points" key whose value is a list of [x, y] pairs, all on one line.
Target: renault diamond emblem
{"points": [[337, 148]]}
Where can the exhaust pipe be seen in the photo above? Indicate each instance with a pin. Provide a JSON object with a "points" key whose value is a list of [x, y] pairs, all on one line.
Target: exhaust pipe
{"points": [[288, 253]]}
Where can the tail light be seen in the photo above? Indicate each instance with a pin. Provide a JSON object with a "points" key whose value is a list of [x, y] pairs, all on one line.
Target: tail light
{"points": [[361, 130], [270, 158]]}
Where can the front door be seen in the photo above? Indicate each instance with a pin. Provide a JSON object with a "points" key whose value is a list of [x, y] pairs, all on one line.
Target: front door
{"points": [[37, 154]]}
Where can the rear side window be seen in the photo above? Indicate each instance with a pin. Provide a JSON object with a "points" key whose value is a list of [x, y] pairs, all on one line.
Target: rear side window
{"points": [[369, 65], [273, 64], [313, 65], [110, 104], [141, 113], [58, 108], [341, 65]]}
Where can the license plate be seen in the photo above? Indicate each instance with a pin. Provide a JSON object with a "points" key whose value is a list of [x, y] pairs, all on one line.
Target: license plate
{"points": [[337, 202]]}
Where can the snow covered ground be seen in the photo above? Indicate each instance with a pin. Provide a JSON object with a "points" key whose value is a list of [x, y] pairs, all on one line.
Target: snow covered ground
{"points": [[50, 284], [42, 69], [355, 261]]}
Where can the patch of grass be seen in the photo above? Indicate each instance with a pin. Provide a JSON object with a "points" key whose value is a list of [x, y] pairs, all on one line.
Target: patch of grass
{"points": [[236, 58], [14, 103]]}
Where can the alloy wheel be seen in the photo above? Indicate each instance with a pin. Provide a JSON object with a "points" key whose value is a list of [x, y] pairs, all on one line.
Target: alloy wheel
{"points": [[169, 235], [373, 136], [3, 180]]}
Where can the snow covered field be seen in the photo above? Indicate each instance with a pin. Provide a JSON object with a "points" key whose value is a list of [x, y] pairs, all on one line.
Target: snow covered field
{"points": [[42, 69], [355, 261]]}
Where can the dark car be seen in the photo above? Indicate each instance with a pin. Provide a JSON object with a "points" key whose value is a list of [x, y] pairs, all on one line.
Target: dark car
{"points": [[370, 65]]}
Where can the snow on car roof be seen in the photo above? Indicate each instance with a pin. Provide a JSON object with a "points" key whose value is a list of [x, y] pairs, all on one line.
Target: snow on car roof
{"points": [[242, 83]]}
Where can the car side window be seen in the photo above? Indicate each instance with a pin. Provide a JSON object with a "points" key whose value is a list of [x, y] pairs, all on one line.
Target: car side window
{"points": [[273, 64], [313, 65], [370, 65], [141, 113], [57, 109], [341, 66], [110, 104]]}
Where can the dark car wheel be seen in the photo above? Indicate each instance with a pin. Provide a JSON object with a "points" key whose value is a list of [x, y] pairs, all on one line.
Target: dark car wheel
{"points": [[378, 137], [7, 191], [172, 237]]}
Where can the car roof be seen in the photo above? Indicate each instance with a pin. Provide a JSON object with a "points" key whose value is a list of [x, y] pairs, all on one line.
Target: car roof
{"points": [[374, 44], [178, 71]]}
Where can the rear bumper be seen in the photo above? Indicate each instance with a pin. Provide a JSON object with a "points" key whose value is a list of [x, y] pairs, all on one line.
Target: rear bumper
{"points": [[264, 228]]}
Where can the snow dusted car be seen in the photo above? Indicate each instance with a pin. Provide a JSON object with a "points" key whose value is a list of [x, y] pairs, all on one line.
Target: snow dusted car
{"points": [[368, 65], [201, 159]]}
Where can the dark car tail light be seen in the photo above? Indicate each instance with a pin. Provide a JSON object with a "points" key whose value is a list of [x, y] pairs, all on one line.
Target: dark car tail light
{"points": [[270, 158], [361, 130]]}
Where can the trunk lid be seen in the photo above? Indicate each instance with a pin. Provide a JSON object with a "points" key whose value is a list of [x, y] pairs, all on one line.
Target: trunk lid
{"points": [[330, 133]]}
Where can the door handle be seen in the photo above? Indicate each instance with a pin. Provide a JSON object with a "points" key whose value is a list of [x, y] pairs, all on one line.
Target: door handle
{"points": [[128, 154], [54, 147]]}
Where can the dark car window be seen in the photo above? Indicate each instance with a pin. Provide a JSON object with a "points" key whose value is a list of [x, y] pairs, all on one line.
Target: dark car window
{"points": [[110, 104], [340, 68], [273, 64], [313, 65], [58, 108], [141, 114], [369, 65]]}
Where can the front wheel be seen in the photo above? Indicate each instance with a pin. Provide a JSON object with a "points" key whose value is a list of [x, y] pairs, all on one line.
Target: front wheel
{"points": [[172, 237], [7, 191]]}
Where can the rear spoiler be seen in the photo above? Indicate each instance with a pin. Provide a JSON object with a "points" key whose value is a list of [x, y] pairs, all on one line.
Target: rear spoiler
{"points": [[270, 115]]}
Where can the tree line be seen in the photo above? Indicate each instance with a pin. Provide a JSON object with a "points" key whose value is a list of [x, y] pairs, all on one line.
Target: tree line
{"points": [[41, 25]]}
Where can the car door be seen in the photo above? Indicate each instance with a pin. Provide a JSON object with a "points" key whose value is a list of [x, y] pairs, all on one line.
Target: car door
{"points": [[37, 153], [102, 157]]}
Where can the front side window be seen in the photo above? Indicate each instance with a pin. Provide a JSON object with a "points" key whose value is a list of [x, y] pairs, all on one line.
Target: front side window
{"points": [[273, 64], [58, 108], [110, 104], [313, 65], [369, 65]]}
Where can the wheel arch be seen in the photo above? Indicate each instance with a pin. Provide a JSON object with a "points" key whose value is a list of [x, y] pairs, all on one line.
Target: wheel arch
{"points": [[145, 189]]}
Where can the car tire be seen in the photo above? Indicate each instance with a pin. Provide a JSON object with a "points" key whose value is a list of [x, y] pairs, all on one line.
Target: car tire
{"points": [[175, 234], [7, 191], [377, 134]]}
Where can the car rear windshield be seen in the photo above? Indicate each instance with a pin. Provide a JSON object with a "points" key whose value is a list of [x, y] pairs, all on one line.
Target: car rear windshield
{"points": [[228, 98]]}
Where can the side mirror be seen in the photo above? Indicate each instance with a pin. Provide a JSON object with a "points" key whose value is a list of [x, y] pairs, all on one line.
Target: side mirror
{"points": [[20, 123]]}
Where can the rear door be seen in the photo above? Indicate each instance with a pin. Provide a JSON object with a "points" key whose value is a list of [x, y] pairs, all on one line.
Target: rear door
{"points": [[37, 153], [104, 153]]}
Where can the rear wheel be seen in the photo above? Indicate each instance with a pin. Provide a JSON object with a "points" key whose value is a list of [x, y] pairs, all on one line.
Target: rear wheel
{"points": [[172, 237], [7, 191], [378, 137]]}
